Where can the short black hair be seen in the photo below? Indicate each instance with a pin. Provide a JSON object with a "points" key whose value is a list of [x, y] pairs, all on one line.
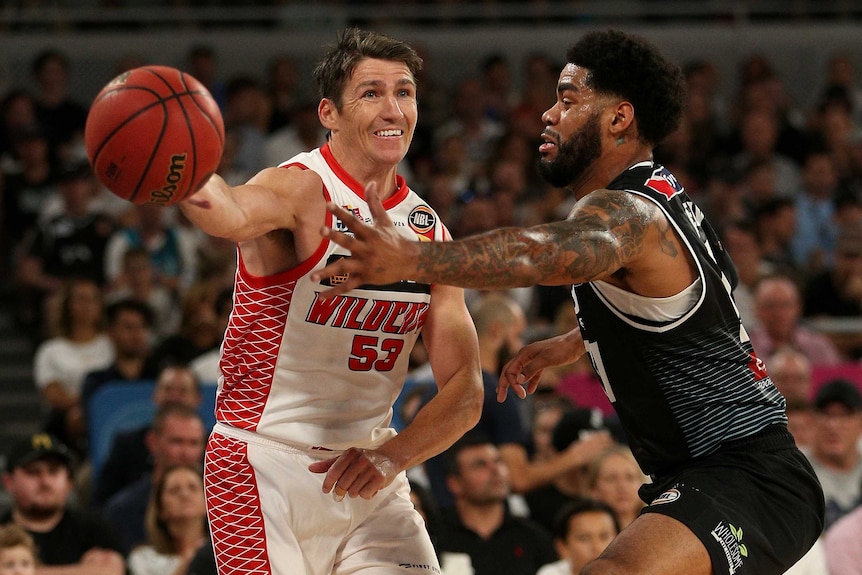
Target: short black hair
{"points": [[112, 312], [576, 507], [629, 66], [468, 440]]}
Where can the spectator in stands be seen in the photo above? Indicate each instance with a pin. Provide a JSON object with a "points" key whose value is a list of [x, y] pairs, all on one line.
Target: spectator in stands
{"points": [[206, 366], [176, 438], [26, 187], [137, 282], [790, 371], [79, 345], [171, 248], [775, 224], [176, 523], [778, 307], [480, 530], [500, 323], [129, 324], [18, 554], [572, 433], [615, 477], [834, 450], [248, 113], [39, 477], [759, 131], [304, 133], [582, 531], [843, 552], [837, 292], [203, 65], [70, 243], [201, 328], [284, 92], [57, 111], [740, 240], [130, 457], [468, 121], [815, 235]]}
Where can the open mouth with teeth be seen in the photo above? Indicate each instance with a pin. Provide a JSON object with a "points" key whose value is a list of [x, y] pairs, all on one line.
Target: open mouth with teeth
{"points": [[388, 133]]}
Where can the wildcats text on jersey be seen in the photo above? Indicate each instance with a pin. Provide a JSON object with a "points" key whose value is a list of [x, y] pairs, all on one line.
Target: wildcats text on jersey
{"points": [[364, 314]]}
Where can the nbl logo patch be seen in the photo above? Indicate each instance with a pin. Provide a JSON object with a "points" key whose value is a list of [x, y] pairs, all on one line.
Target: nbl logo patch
{"points": [[422, 221]]}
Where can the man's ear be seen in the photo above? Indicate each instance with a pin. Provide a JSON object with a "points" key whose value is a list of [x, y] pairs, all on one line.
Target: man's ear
{"points": [[624, 115], [327, 113]]}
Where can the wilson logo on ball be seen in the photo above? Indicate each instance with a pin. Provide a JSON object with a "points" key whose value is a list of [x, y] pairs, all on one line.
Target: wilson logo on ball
{"points": [[172, 181]]}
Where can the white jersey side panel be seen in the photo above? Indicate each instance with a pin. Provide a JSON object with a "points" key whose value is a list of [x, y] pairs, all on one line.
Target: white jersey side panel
{"points": [[312, 373]]}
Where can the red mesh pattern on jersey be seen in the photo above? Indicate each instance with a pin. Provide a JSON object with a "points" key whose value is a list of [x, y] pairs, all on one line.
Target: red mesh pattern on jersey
{"points": [[251, 345], [233, 505]]}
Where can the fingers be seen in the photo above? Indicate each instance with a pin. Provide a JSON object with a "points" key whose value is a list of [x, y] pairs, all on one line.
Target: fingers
{"points": [[352, 473], [378, 212]]}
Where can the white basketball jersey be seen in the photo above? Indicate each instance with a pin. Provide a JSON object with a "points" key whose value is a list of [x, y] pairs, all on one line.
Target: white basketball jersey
{"points": [[324, 373]]}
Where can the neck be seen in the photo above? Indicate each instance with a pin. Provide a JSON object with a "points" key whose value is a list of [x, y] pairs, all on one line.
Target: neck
{"points": [[840, 463], [84, 333], [187, 533], [604, 171], [37, 525], [365, 173], [484, 520], [130, 366]]}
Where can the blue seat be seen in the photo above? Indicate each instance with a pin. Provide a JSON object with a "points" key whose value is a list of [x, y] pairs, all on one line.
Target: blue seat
{"points": [[123, 406]]}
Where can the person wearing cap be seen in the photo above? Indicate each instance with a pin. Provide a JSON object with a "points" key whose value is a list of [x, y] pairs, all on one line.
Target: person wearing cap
{"points": [[38, 476], [834, 451]]}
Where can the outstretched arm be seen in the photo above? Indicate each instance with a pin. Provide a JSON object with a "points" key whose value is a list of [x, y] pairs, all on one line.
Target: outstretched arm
{"points": [[269, 201], [604, 232]]}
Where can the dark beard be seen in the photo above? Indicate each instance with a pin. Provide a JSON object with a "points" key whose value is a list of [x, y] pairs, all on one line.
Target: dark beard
{"points": [[574, 155], [39, 512]]}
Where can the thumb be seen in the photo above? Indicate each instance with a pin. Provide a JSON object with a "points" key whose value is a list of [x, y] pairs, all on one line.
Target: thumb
{"points": [[321, 466]]}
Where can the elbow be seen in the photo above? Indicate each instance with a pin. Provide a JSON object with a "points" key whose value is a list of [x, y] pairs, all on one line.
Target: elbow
{"points": [[473, 407]]}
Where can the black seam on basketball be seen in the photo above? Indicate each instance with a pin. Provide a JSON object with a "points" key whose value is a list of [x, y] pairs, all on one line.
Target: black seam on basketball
{"points": [[164, 80], [153, 154], [194, 157], [207, 115], [120, 126]]}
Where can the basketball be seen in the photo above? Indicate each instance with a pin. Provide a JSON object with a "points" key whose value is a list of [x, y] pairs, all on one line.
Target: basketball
{"points": [[154, 135]]}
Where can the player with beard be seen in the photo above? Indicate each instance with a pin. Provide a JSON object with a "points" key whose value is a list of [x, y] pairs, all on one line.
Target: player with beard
{"points": [[38, 476], [652, 285]]}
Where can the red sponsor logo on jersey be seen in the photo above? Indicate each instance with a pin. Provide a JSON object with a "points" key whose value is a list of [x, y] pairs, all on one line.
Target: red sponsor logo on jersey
{"points": [[757, 367], [664, 183]]}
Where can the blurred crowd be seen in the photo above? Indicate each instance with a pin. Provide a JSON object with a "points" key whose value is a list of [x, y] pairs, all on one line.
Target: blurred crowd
{"points": [[107, 291]]}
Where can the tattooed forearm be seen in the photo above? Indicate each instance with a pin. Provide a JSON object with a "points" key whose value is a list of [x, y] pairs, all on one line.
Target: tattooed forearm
{"points": [[605, 230]]}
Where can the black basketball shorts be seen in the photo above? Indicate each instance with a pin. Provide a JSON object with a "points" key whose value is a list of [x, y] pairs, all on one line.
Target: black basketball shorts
{"points": [[756, 503]]}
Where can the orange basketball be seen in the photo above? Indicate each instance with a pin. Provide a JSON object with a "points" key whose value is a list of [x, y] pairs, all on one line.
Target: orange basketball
{"points": [[154, 135]]}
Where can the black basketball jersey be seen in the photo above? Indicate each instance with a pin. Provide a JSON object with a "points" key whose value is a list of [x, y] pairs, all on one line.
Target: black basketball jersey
{"points": [[681, 387]]}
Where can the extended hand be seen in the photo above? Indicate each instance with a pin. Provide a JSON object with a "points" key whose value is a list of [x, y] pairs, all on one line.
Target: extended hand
{"points": [[356, 472], [523, 372], [378, 253]]}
